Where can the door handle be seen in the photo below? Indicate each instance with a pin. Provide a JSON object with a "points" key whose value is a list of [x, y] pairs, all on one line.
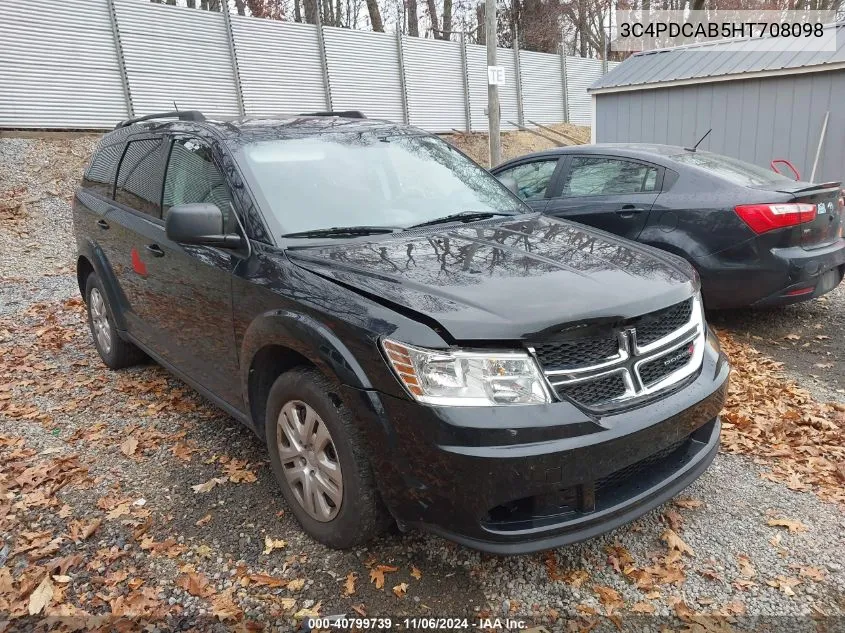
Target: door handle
{"points": [[155, 249], [629, 211], [102, 224]]}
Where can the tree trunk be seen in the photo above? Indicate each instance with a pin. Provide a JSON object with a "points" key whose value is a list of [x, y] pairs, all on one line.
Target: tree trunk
{"points": [[192, 4], [338, 13], [240, 5], [432, 14], [297, 11], [311, 9], [447, 19], [375, 15], [413, 19], [479, 17]]}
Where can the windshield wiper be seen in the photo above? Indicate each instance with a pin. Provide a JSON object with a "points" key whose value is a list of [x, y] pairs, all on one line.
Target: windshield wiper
{"points": [[463, 216], [344, 231]]}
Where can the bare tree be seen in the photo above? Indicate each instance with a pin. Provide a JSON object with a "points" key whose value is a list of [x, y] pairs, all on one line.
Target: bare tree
{"points": [[432, 16], [413, 19], [375, 16], [446, 31]]}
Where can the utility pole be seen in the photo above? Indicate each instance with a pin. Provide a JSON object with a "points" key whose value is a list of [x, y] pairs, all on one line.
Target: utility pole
{"points": [[493, 114]]}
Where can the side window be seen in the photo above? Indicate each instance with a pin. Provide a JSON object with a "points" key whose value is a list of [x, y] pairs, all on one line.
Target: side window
{"points": [[532, 179], [608, 176], [140, 175], [99, 176], [192, 177]]}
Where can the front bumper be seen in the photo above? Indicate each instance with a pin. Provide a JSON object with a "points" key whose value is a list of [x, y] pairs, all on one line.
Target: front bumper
{"points": [[751, 275], [525, 478]]}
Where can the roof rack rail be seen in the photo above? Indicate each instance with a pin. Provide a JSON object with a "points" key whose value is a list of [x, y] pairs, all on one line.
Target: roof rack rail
{"points": [[182, 115], [346, 114]]}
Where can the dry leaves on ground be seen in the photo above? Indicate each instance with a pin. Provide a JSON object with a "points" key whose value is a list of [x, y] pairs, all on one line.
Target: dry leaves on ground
{"points": [[769, 416]]}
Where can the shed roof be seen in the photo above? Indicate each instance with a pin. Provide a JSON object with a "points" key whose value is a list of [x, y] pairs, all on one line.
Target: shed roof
{"points": [[710, 61]]}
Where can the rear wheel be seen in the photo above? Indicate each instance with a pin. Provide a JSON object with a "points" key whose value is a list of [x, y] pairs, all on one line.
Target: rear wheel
{"points": [[115, 352], [320, 463]]}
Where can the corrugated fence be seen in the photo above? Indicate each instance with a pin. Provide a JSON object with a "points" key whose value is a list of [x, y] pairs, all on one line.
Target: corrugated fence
{"points": [[91, 63]]}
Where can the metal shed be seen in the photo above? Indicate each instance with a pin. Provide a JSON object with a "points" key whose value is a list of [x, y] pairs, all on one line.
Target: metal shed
{"points": [[761, 104]]}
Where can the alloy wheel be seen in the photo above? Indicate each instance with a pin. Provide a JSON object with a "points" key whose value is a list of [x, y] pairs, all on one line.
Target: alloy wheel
{"points": [[309, 460], [100, 321]]}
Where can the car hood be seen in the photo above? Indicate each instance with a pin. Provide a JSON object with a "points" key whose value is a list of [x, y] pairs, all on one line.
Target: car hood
{"points": [[505, 279]]}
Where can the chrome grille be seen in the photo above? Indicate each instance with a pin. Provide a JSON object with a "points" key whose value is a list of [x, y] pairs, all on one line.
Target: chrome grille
{"points": [[616, 366]]}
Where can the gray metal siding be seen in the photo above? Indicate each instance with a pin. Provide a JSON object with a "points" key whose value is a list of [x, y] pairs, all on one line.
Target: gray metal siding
{"points": [[435, 82], [184, 58], [754, 120], [580, 74], [364, 72], [280, 68], [542, 90], [58, 66]]}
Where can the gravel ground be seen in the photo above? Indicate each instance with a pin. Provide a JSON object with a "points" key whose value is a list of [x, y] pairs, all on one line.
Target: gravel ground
{"points": [[60, 401]]}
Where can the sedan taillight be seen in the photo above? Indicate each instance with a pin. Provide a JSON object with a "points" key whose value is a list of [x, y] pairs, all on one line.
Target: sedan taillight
{"points": [[767, 217]]}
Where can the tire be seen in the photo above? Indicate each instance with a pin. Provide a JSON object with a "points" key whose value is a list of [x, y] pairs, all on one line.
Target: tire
{"points": [[360, 515], [115, 352]]}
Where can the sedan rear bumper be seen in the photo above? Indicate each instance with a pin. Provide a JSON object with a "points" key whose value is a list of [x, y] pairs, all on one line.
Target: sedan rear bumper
{"points": [[747, 275]]}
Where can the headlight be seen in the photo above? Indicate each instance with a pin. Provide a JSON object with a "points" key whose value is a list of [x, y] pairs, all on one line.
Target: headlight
{"points": [[467, 378]]}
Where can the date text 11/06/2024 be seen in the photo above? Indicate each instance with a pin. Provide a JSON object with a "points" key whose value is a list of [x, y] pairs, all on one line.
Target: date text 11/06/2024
{"points": [[414, 624]]}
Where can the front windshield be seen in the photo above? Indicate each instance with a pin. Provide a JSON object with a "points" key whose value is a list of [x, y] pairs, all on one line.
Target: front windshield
{"points": [[353, 179]]}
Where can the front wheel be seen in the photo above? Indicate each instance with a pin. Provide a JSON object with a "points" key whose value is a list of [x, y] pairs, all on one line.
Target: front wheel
{"points": [[320, 463]]}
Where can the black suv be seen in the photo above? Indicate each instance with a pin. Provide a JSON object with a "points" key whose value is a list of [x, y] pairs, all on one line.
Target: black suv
{"points": [[412, 341]]}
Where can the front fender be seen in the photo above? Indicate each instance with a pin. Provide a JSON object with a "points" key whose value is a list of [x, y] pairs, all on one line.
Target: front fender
{"points": [[306, 336]]}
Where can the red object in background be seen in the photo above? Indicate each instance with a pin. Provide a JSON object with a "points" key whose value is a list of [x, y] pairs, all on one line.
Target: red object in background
{"points": [[137, 263], [788, 164]]}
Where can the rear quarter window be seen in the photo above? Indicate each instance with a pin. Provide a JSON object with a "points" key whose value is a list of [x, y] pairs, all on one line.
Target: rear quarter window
{"points": [[99, 176], [737, 171]]}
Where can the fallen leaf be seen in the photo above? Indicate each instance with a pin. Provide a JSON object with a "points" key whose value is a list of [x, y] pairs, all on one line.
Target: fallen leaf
{"points": [[401, 589], [270, 544], [223, 607], [313, 612], [792, 337], [812, 573], [129, 446], [377, 574], [745, 567], [610, 598], [296, 584], [41, 596], [674, 519], [643, 607], [208, 485], [203, 521], [793, 525], [82, 530], [61, 580], [688, 503], [349, 588], [268, 581], [195, 584], [675, 542], [416, 573], [784, 584]]}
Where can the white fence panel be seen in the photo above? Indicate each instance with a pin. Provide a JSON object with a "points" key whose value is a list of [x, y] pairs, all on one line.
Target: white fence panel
{"points": [[435, 83], [580, 74], [176, 54], [58, 65], [279, 65], [477, 70], [508, 96], [542, 87], [364, 73]]}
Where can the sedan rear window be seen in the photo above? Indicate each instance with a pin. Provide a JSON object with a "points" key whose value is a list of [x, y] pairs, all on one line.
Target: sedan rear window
{"points": [[737, 171]]}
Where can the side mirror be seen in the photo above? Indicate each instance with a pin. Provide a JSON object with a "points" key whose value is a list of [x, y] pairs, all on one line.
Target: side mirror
{"points": [[510, 183], [199, 223]]}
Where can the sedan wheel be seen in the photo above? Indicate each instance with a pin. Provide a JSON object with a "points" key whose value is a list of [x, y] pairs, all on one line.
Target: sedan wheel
{"points": [[309, 460]]}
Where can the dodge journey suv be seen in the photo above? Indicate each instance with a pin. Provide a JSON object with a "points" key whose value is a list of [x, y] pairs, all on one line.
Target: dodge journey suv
{"points": [[412, 342]]}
